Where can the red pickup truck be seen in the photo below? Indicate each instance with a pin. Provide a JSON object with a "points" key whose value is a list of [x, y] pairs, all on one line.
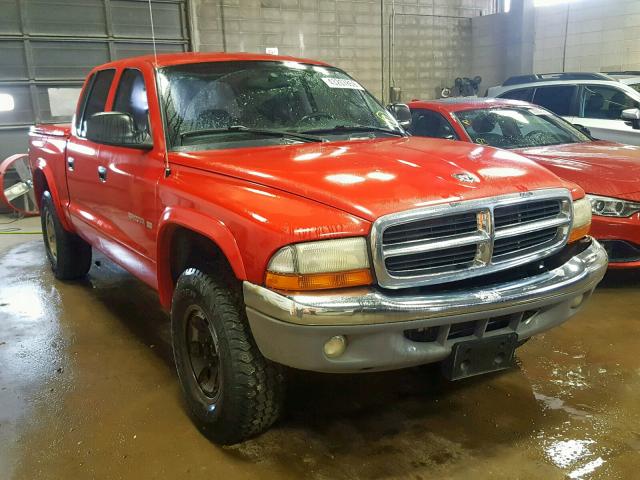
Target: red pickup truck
{"points": [[286, 218]]}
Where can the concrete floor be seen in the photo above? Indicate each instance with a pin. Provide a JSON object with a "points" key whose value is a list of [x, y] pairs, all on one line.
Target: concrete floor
{"points": [[88, 390]]}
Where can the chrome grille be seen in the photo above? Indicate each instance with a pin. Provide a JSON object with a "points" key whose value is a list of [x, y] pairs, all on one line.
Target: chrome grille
{"points": [[526, 212], [450, 258], [506, 246], [459, 240], [431, 228]]}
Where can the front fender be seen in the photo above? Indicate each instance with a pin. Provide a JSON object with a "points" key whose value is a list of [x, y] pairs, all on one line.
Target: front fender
{"points": [[215, 230]]}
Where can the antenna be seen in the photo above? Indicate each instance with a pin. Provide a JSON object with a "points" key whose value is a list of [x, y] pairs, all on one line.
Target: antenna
{"points": [[153, 35], [167, 167]]}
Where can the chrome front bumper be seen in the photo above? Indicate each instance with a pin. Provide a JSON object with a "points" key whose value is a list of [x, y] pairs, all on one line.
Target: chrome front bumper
{"points": [[292, 328]]}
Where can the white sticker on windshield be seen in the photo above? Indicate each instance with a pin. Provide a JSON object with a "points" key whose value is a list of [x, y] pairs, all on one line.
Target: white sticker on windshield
{"points": [[342, 83]]}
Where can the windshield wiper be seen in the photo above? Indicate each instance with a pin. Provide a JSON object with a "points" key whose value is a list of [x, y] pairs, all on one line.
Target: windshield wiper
{"points": [[355, 128], [257, 131]]}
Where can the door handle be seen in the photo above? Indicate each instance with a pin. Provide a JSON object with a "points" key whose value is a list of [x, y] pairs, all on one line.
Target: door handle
{"points": [[102, 173], [71, 163]]}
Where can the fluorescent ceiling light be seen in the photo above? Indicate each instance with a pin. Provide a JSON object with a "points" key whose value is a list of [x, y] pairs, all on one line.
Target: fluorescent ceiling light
{"points": [[6, 102]]}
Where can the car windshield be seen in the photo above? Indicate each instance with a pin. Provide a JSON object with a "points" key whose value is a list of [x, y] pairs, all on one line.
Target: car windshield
{"points": [[517, 127], [242, 103], [635, 86]]}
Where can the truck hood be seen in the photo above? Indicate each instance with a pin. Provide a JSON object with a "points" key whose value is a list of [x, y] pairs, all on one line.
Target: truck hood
{"points": [[375, 177], [602, 168]]}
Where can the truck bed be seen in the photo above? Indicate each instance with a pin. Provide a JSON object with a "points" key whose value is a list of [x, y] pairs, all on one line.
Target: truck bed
{"points": [[48, 146]]}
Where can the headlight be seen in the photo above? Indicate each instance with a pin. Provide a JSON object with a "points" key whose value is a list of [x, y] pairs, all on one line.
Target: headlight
{"points": [[320, 265], [612, 207], [581, 219]]}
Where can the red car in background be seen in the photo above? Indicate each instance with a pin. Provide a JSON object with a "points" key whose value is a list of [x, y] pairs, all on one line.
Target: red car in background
{"points": [[609, 172]]}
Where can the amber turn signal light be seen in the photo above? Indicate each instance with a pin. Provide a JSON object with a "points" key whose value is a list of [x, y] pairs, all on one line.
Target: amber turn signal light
{"points": [[581, 219], [578, 233], [318, 281]]}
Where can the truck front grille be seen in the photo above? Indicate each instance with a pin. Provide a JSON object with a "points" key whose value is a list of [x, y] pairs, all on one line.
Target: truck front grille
{"points": [[506, 246], [459, 257], [431, 228], [459, 240], [526, 212]]}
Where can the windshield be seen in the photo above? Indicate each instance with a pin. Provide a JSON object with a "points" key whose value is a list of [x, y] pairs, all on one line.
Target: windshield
{"points": [[202, 102], [517, 127], [635, 86]]}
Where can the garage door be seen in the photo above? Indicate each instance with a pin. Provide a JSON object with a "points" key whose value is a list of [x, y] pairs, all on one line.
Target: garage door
{"points": [[48, 46]]}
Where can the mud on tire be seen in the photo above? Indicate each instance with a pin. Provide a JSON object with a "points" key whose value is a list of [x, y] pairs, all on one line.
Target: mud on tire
{"points": [[68, 254], [232, 392]]}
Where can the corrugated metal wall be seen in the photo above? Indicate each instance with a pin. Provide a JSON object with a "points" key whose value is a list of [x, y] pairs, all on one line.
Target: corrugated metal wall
{"points": [[48, 46]]}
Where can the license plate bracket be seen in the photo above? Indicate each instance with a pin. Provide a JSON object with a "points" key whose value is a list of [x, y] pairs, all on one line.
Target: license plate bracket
{"points": [[476, 357]]}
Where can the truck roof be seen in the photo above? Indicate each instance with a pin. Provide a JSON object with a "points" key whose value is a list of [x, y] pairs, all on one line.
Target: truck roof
{"points": [[169, 59]]}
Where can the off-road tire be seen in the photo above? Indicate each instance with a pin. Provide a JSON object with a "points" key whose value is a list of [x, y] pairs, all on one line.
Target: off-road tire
{"points": [[68, 254], [251, 388]]}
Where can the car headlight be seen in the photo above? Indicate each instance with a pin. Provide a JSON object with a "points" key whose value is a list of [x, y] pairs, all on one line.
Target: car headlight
{"points": [[581, 219], [320, 265], [612, 207]]}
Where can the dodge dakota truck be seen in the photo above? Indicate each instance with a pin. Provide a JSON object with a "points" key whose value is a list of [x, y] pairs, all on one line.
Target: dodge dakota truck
{"points": [[287, 219]]}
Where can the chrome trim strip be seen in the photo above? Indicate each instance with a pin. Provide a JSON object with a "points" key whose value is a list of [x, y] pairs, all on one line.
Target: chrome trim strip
{"points": [[430, 246], [531, 227], [485, 263], [370, 306]]}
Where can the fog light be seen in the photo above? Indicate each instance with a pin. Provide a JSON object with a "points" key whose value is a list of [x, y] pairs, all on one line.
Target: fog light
{"points": [[335, 346], [576, 302]]}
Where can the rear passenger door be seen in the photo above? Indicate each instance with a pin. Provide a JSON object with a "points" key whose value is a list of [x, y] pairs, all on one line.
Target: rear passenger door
{"points": [[82, 158], [600, 110]]}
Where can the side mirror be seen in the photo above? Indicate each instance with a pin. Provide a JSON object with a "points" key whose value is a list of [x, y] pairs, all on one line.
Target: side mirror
{"points": [[117, 128], [632, 115], [582, 129], [401, 113]]}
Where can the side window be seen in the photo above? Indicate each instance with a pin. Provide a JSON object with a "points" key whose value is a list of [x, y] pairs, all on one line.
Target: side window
{"points": [[426, 123], [523, 94], [82, 102], [557, 98], [131, 98], [97, 97], [600, 101]]}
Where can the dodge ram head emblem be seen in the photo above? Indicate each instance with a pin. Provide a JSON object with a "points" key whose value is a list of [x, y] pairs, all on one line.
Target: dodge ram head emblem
{"points": [[465, 177]]}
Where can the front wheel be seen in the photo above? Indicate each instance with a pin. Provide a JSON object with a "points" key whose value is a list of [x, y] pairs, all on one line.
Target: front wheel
{"points": [[68, 254], [231, 390]]}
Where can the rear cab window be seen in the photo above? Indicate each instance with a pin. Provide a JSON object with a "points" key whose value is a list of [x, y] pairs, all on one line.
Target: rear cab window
{"points": [[82, 102]]}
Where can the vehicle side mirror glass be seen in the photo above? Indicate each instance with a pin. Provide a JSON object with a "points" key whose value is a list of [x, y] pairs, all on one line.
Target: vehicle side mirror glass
{"points": [[632, 115], [401, 113], [117, 128], [582, 129]]}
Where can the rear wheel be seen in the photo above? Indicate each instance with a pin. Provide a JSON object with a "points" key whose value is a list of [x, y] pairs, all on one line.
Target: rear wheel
{"points": [[231, 390], [68, 254]]}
